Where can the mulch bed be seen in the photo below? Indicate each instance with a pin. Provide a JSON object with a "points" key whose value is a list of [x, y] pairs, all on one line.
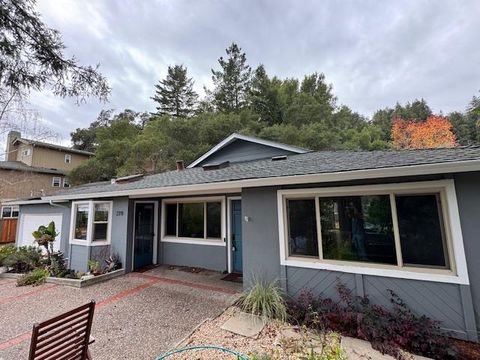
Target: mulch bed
{"points": [[467, 350]]}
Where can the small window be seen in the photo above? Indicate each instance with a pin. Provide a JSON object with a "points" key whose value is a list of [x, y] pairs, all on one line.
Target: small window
{"points": [[9, 212], [358, 228], [56, 181], [100, 221], [193, 220], [81, 221], [302, 228], [68, 158], [26, 152], [422, 236], [66, 183], [92, 222], [6, 212], [214, 224], [171, 223]]}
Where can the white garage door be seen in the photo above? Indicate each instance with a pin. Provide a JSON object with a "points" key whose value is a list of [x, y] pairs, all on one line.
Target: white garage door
{"points": [[30, 222]]}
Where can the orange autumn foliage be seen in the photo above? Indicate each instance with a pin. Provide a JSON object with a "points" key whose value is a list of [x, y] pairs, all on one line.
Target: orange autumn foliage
{"points": [[435, 132]]}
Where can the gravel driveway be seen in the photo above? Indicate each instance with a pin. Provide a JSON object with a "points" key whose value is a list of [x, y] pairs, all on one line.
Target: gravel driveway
{"points": [[138, 316]]}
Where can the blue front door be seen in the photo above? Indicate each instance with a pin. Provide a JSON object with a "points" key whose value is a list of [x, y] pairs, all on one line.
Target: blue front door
{"points": [[144, 234], [236, 232]]}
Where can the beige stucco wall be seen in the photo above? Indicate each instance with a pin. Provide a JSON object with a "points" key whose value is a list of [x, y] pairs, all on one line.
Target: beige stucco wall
{"points": [[22, 184], [55, 159]]}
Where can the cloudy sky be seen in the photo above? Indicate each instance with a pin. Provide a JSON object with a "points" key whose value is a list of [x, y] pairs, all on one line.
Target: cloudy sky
{"points": [[375, 53]]}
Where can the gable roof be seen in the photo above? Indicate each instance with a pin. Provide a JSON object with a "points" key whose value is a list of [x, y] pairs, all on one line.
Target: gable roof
{"points": [[312, 167], [52, 146], [235, 137], [20, 166]]}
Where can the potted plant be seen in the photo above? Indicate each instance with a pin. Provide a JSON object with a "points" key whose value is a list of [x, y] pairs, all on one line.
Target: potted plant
{"points": [[45, 236]]}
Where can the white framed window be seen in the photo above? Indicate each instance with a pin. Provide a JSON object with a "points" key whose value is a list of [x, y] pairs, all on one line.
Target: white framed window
{"points": [[194, 220], [91, 223], [9, 212], [408, 230], [56, 181], [68, 158], [66, 183], [26, 152]]}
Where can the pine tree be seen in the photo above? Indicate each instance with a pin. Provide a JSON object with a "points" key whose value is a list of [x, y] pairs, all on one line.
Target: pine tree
{"points": [[232, 81], [175, 95]]}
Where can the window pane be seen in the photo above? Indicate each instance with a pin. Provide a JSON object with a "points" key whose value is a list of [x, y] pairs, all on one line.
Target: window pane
{"points": [[101, 212], [421, 230], [15, 211], [171, 221], [6, 211], [302, 228], [100, 232], [191, 220], [358, 228], [214, 215], [81, 222]]}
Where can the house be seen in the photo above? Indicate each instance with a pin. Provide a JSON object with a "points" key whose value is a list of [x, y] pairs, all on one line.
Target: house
{"points": [[405, 221], [32, 168]]}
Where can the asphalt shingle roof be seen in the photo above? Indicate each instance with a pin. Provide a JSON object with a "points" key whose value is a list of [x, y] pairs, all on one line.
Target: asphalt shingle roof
{"points": [[54, 146], [19, 166], [321, 162]]}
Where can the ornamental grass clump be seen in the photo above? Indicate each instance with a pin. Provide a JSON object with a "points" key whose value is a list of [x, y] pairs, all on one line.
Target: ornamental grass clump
{"points": [[265, 300]]}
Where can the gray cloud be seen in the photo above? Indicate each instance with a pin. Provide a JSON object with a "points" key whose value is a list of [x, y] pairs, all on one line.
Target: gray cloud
{"points": [[374, 52]]}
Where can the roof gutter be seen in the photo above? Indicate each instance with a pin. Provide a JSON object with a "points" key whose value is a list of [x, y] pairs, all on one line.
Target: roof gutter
{"points": [[237, 185]]}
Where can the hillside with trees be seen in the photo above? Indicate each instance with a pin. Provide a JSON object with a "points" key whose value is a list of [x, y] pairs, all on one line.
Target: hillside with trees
{"points": [[302, 112]]}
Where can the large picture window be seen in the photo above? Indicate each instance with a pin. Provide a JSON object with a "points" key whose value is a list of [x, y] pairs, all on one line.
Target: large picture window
{"points": [[386, 227], [91, 222], [193, 220]]}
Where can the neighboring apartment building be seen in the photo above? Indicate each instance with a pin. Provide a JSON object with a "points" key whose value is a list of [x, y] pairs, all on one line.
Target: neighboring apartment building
{"points": [[31, 169]]}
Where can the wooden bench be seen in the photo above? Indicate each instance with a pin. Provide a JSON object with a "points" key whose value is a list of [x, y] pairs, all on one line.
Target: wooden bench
{"points": [[64, 337]]}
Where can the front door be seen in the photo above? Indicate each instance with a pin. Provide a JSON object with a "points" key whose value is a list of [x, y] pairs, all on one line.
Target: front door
{"points": [[236, 232], [144, 234]]}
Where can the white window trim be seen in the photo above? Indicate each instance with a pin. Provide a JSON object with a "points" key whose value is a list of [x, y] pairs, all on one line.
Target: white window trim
{"points": [[91, 208], [194, 241], [458, 273], [69, 157], [12, 209], [59, 181]]}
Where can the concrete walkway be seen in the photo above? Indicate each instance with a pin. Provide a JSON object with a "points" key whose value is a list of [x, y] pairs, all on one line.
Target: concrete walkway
{"points": [[138, 316]]}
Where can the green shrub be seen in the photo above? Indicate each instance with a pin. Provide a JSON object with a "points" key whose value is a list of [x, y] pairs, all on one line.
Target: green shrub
{"points": [[24, 259], [94, 267], [35, 277], [264, 299], [5, 252]]}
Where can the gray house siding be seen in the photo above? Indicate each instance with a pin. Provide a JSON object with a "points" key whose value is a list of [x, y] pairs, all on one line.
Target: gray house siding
{"points": [[204, 256], [449, 303], [78, 258], [241, 150], [260, 256], [468, 196]]}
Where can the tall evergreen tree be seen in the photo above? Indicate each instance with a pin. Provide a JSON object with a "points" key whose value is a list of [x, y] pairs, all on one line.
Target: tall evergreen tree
{"points": [[232, 81], [264, 97], [175, 95]]}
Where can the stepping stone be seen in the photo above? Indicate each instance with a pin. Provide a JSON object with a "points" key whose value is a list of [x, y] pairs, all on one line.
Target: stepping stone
{"points": [[361, 349], [244, 324]]}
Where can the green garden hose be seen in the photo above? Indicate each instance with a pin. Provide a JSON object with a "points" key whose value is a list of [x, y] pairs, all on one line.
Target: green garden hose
{"points": [[203, 347]]}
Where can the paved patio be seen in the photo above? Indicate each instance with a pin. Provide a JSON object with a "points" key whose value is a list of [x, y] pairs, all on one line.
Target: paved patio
{"points": [[138, 316]]}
